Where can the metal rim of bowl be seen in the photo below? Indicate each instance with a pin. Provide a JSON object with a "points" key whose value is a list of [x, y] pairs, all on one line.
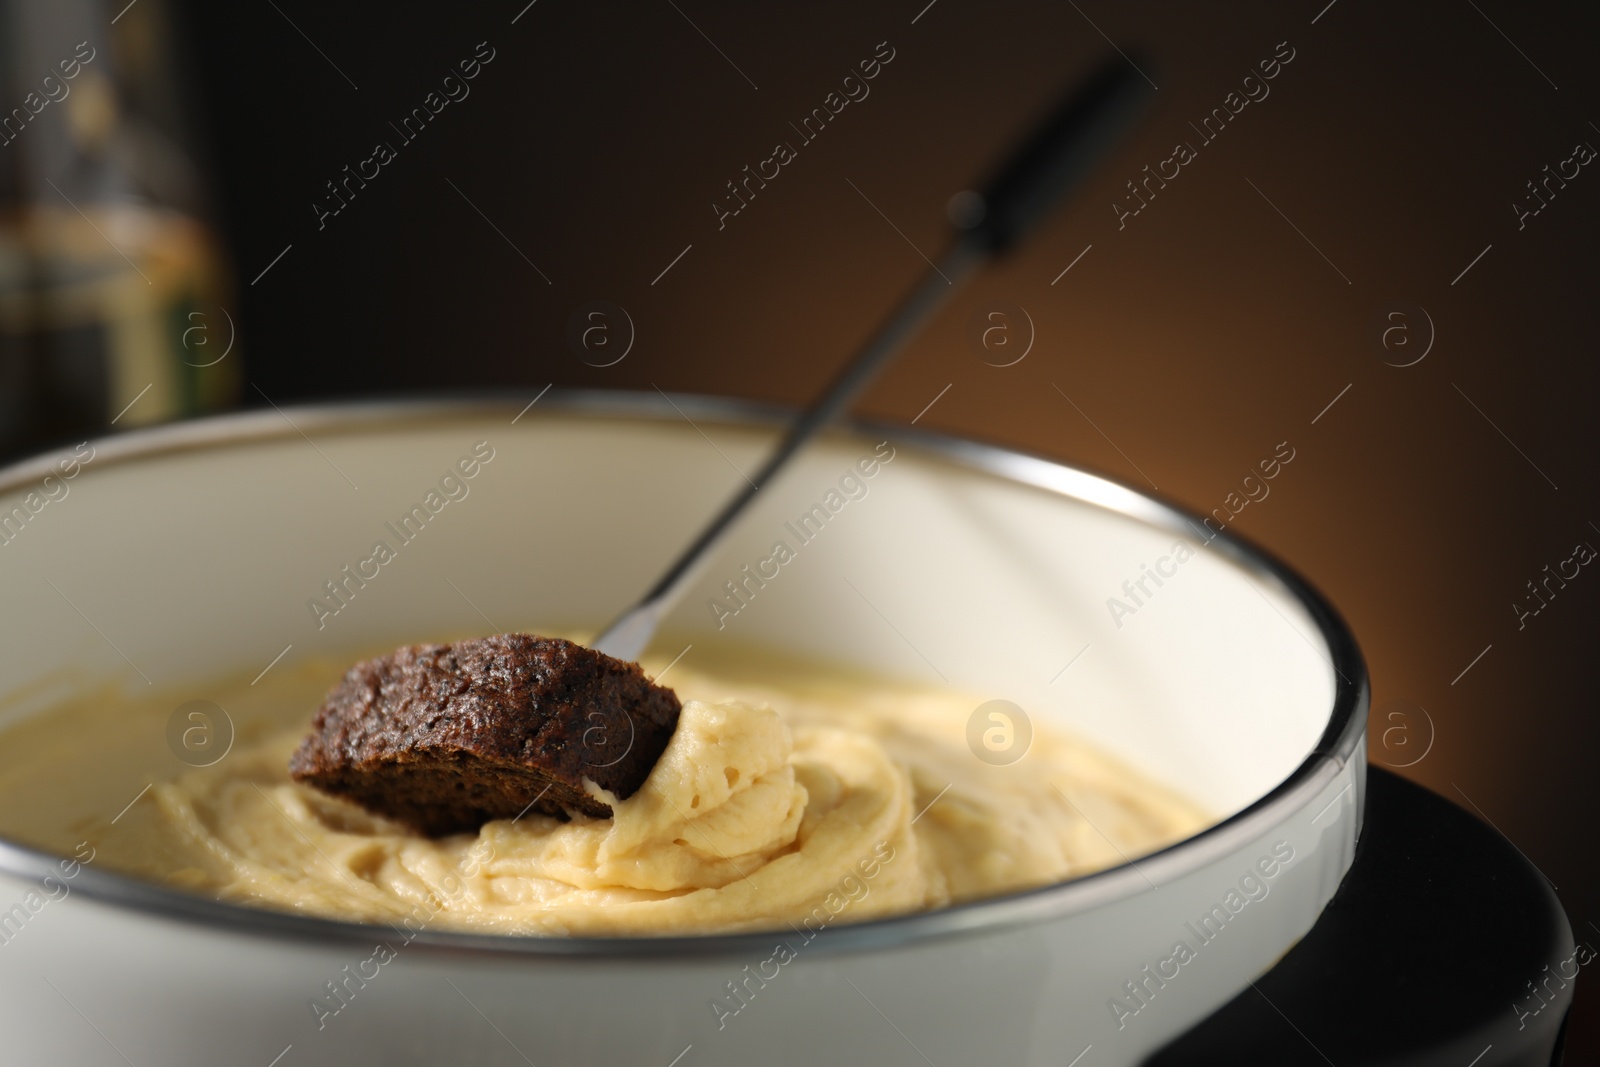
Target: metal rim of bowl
{"points": [[1334, 749]]}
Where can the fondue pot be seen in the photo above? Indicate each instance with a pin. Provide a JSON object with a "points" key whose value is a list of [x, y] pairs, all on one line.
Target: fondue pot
{"points": [[201, 550]]}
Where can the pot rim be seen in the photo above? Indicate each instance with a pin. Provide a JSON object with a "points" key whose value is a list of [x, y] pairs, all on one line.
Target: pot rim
{"points": [[1336, 747]]}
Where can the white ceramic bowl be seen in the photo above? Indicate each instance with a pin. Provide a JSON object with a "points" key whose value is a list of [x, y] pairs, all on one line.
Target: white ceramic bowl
{"points": [[191, 550]]}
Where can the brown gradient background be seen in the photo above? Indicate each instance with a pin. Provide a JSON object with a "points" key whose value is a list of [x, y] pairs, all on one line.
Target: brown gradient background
{"points": [[1196, 339]]}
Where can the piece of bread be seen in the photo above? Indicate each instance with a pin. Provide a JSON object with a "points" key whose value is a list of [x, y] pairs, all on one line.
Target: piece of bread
{"points": [[447, 737]]}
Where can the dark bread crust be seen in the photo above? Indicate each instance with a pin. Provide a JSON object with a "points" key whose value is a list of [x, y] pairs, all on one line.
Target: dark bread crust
{"points": [[447, 737]]}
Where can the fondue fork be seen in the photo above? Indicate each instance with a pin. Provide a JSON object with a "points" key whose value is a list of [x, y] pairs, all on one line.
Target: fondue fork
{"points": [[1055, 158]]}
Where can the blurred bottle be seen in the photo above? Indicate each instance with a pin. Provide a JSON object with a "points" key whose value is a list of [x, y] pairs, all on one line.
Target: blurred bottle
{"points": [[115, 299]]}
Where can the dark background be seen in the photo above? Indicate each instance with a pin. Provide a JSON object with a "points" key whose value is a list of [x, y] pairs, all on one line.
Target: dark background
{"points": [[1196, 338]]}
